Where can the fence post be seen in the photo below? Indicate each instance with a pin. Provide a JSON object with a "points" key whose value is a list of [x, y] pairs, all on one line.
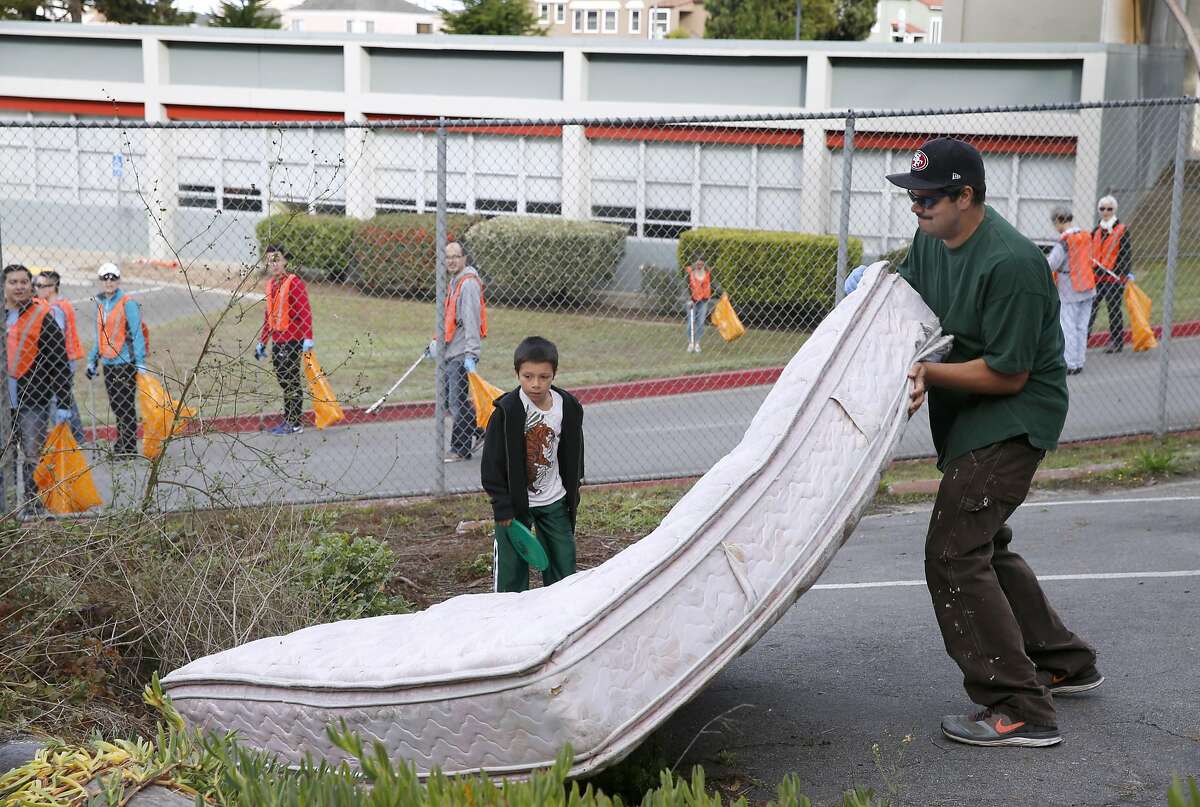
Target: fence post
{"points": [[1168, 303], [8, 469], [844, 216], [439, 406]]}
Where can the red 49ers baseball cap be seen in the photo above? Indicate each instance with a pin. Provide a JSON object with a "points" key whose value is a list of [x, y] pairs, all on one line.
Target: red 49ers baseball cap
{"points": [[941, 163]]}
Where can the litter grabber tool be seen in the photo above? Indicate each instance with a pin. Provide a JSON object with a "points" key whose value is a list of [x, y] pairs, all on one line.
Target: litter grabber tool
{"points": [[373, 408]]}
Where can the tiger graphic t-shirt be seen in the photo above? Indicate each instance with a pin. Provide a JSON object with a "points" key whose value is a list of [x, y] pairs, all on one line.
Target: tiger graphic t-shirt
{"points": [[542, 433]]}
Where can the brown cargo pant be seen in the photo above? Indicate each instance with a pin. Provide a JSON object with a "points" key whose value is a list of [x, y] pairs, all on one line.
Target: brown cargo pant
{"points": [[996, 622]]}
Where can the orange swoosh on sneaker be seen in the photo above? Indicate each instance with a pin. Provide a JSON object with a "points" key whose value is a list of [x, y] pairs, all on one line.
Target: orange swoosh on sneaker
{"points": [[1056, 679], [1006, 728]]}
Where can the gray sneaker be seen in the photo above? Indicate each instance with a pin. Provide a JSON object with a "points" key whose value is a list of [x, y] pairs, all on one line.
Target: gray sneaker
{"points": [[991, 728], [1075, 684]]}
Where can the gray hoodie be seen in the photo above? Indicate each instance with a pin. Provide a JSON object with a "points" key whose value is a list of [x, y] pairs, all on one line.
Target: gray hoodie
{"points": [[466, 341]]}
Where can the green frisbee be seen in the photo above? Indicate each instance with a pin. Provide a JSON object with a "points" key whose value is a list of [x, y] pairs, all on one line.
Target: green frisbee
{"points": [[527, 546]]}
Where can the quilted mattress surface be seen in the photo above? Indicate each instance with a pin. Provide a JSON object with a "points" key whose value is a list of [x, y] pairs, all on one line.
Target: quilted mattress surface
{"points": [[501, 682]]}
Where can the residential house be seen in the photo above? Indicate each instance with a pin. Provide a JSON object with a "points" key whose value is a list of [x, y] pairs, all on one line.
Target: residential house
{"points": [[630, 19], [360, 17], [907, 21]]}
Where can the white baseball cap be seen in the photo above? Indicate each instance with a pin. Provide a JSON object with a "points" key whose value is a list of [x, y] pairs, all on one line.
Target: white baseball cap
{"points": [[108, 269]]}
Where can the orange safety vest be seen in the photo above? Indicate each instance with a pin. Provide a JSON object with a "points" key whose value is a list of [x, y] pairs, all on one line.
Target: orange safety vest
{"points": [[110, 330], [279, 304], [451, 314], [1079, 259], [700, 289], [70, 330], [1105, 249], [22, 341]]}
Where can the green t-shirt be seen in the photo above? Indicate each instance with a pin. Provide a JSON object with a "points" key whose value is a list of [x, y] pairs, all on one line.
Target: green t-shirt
{"points": [[995, 295]]}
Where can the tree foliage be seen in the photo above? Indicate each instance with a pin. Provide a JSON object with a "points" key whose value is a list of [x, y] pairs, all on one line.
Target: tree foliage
{"points": [[776, 19], [139, 12], [494, 17], [245, 14]]}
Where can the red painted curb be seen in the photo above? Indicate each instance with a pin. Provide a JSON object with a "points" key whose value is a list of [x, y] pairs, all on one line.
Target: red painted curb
{"points": [[620, 391]]}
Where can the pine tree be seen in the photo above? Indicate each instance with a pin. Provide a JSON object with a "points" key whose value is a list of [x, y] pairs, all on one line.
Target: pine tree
{"points": [[245, 14], [493, 17]]}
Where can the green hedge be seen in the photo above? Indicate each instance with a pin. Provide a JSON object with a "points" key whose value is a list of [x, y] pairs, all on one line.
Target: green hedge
{"points": [[321, 246], [545, 261], [395, 254], [773, 278]]}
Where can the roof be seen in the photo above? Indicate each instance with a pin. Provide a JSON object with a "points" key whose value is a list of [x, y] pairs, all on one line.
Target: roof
{"points": [[936, 5], [386, 6]]}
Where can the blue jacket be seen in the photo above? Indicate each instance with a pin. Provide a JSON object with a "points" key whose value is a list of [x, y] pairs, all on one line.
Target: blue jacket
{"points": [[133, 320]]}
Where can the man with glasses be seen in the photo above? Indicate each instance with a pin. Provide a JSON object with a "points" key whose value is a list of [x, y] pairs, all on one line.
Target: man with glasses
{"points": [[121, 348], [38, 375], [1113, 256], [46, 286], [996, 405]]}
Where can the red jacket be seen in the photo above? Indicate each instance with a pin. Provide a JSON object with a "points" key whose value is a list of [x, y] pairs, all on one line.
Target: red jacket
{"points": [[299, 313]]}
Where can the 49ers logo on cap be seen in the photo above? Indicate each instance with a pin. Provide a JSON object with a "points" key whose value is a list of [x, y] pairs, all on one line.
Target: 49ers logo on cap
{"points": [[919, 160]]}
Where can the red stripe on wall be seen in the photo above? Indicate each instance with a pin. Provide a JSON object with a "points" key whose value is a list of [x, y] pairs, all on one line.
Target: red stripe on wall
{"points": [[703, 134], [226, 113], [994, 144], [530, 130], [61, 106]]}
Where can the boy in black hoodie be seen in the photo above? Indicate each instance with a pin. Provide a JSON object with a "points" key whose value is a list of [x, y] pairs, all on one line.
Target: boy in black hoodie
{"points": [[532, 466]]}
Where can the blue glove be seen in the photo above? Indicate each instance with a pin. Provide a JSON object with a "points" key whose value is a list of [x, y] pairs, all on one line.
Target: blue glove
{"points": [[141, 368], [91, 371], [469, 364], [260, 351], [308, 345], [1131, 277], [61, 416], [854, 278], [431, 351]]}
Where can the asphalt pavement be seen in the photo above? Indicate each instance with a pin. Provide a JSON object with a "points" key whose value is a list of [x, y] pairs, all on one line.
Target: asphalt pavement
{"points": [[858, 661]]}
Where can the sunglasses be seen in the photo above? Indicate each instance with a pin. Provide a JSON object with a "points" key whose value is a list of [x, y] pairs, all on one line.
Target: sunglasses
{"points": [[1104, 209], [109, 277], [926, 202], [43, 285]]}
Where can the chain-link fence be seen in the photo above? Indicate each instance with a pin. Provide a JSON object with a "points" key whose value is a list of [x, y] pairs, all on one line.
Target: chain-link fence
{"points": [[581, 231]]}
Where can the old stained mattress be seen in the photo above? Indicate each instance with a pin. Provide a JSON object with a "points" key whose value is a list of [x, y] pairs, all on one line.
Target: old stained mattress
{"points": [[501, 682]]}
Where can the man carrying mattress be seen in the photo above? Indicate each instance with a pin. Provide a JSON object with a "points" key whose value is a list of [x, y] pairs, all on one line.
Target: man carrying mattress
{"points": [[996, 406]]}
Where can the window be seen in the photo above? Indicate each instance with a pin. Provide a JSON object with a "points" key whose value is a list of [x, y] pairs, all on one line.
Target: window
{"points": [[544, 208], [593, 21], [667, 222], [393, 204], [610, 22], [496, 205], [297, 25], [576, 21], [660, 23], [935, 29], [544, 13], [635, 21], [369, 26], [242, 199], [424, 28], [198, 196], [560, 13]]}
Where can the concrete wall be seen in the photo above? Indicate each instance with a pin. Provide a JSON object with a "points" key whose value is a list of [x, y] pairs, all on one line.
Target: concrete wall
{"points": [[1023, 20]]}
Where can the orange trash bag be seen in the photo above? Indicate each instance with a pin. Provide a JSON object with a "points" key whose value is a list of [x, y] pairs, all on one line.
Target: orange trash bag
{"points": [[726, 319], [162, 416], [326, 409], [483, 395], [63, 478], [1139, 304]]}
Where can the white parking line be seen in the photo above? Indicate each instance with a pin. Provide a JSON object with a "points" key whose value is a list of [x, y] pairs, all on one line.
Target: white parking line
{"points": [[1054, 503], [1042, 577]]}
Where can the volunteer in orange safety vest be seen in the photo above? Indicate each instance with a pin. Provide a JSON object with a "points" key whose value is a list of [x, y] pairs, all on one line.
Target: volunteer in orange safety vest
{"points": [[464, 319], [121, 349], [702, 289], [39, 377], [47, 285], [1071, 262], [1113, 261], [288, 326]]}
